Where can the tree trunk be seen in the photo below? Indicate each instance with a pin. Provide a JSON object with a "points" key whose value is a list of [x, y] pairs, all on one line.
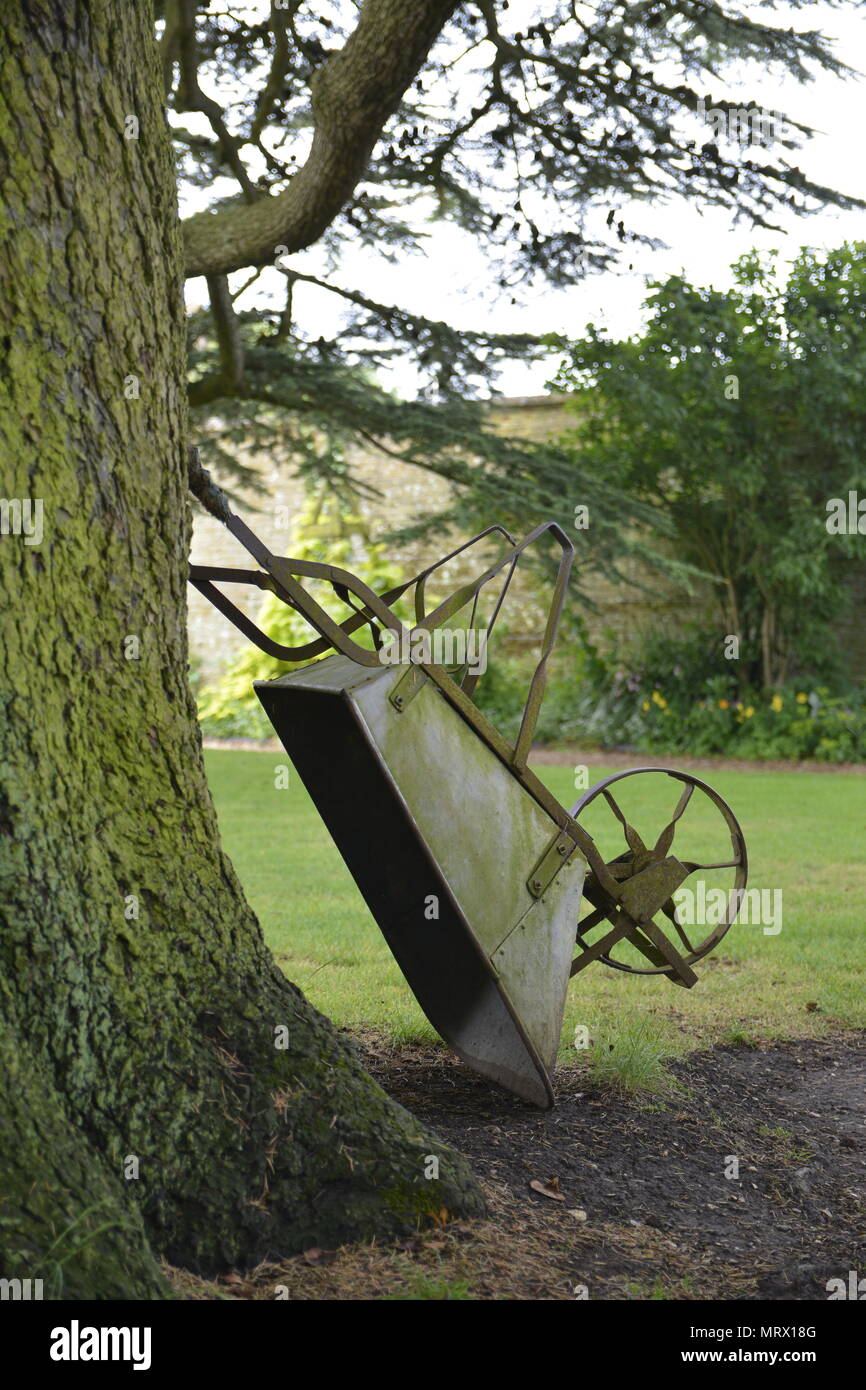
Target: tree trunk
{"points": [[145, 1104]]}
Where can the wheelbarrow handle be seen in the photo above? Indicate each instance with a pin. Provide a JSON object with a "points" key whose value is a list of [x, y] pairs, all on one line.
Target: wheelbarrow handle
{"points": [[539, 677], [420, 580], [523, 744], [205, 577], [280, 579], [281, 574]]}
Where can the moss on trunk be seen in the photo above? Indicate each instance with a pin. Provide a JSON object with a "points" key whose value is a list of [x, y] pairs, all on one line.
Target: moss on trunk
{"points": [[143, 1092]]}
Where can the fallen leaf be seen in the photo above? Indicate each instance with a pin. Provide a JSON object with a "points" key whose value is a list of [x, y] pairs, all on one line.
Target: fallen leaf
{"points": [[578, 1213], [547, 1189]]}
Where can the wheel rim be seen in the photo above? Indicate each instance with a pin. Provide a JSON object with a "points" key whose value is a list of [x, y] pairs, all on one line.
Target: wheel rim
{"points": [[631, 890]]}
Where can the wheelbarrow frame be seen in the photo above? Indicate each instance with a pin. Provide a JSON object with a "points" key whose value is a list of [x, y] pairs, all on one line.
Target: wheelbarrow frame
{"points": [[628, 907], [281, 578]]}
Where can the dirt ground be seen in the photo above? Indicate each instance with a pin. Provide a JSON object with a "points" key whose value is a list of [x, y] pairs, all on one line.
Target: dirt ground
{"points": [[639, 1206]]}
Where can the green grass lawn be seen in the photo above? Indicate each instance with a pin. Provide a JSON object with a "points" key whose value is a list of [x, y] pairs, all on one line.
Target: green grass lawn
{"points": [[806, 834]]}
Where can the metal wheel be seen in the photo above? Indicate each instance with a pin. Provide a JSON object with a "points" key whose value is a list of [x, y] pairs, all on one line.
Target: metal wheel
{"points": [[634, 892]]}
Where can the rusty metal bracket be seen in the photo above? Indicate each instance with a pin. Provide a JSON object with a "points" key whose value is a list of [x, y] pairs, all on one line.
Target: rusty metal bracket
{"points": [[407, 687], [646, 892], [558, 852]]}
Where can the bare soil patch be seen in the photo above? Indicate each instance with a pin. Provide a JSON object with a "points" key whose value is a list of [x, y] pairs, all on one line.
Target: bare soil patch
{"points": [[647, 1210]]}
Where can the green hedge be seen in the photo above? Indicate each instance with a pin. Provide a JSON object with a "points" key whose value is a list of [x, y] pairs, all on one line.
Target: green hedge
{"points": [[676, 698]]}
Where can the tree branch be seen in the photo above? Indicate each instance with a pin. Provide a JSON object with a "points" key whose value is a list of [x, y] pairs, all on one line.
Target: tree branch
{"points": [[228, 333], [280, 19], [353, 95], [192, 98]]}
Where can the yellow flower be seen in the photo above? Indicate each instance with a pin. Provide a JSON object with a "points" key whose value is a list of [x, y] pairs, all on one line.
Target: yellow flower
{"points": [[776, 703], [801, 698], [645, 706], [659, 699], [749, 712], [724, 704]]}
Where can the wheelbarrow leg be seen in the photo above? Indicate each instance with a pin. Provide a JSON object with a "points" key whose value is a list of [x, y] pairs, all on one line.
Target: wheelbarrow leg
{"points": [[644, 935]]}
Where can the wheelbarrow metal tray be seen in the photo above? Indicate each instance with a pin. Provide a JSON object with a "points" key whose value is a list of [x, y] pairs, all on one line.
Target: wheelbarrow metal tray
{"points": [[441, 839]]}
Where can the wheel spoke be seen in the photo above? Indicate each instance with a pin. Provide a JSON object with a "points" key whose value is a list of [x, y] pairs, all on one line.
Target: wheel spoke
{"points": [[666, 839], [671, 914], [633, 840]]}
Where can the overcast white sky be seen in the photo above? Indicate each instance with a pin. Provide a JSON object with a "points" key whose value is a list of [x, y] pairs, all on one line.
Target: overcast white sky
{"points": [[450, 280]]}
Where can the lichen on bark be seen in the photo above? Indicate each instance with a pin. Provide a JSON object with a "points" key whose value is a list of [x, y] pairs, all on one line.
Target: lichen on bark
{"points": [[144, 1108]]}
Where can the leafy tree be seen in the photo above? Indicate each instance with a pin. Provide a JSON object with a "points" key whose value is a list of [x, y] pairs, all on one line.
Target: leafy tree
{"points": [[539, 133], [739, 416], [145, 1106]]}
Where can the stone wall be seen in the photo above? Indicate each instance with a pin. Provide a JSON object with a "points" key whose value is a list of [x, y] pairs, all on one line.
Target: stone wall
{"points": [[406, 492]]}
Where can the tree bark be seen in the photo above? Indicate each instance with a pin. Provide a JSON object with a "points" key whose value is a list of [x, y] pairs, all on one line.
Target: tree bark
{"points": [[144, 1104]]}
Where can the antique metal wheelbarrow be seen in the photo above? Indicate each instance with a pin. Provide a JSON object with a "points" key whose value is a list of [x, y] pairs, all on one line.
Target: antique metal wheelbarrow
{"points": [[474, 872]]}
